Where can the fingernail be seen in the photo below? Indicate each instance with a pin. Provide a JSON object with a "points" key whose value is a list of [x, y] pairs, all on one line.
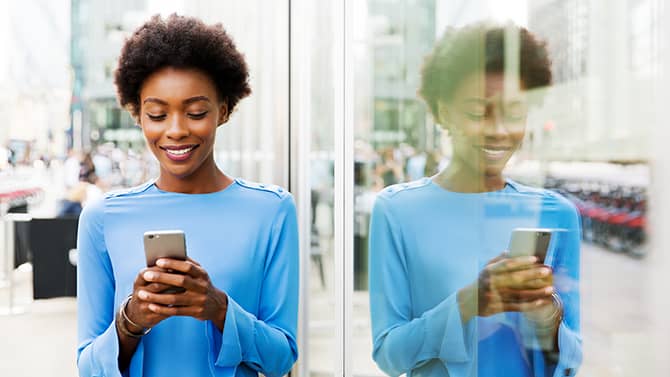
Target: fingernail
{"points": [[544, 272], [160, 263], [143, 295], [149, 275], [152, 307], [549, 290]]}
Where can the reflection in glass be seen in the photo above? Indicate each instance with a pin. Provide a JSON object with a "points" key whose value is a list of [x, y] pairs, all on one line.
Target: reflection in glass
{"points": [[446, 296]]}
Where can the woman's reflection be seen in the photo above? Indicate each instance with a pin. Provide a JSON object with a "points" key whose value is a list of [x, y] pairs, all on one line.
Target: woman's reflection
{"points": [[446, 299]]}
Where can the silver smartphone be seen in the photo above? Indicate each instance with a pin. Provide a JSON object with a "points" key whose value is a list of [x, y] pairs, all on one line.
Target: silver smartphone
{"points": [[165, 244], [530, 241]]}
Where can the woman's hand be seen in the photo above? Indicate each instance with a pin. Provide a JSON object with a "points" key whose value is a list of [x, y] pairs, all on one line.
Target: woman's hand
{"points": [[200, 299], [507, 284], [137, 310]]}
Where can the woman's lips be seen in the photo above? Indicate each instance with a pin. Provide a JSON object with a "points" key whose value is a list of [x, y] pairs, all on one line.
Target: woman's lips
{"points": [[495, 154], [179, 153]]}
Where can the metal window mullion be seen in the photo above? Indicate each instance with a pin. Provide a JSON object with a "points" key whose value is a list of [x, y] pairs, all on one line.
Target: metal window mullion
{"points": [[299, 159], [344, 182]]}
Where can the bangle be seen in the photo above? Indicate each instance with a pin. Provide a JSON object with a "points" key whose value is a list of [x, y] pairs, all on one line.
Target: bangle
{"points": [[122, 326], [556, 316]]}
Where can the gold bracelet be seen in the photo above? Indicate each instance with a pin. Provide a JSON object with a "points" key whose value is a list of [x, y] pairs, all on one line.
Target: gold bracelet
{"points": [[122, 326]]}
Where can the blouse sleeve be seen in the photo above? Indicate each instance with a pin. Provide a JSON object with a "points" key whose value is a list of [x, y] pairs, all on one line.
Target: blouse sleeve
{"points": [[266, 342], [565, 263], [98, 345], [401, 342], [566, 275]]}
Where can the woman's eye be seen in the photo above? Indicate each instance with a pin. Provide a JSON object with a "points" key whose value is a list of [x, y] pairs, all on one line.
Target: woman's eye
{"points": [[197, 115], [156, 117]]}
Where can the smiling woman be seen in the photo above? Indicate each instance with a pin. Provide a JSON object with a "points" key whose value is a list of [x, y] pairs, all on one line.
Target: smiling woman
{"points": [[446, 299], [236, 310]]}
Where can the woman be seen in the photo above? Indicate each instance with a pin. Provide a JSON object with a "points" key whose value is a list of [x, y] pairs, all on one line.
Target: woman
{"points": [[181, 79], [445, 299]]}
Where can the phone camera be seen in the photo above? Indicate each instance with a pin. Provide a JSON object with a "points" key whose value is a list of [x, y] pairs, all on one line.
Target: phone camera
{"points": [[151, 236]]}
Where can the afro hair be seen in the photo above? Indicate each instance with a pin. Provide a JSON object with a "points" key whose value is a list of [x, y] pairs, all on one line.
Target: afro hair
{"points": [[481, 47], [180, 42]]}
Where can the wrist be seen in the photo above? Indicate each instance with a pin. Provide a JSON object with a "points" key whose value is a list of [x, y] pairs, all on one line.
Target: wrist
{"points": [[550, 323], [224, 306], [220, 319], [127, 326], [466, 303]]}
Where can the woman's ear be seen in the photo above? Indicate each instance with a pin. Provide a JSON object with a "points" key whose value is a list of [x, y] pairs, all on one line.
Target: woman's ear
{"points": [[442, 116], [224, 115]]}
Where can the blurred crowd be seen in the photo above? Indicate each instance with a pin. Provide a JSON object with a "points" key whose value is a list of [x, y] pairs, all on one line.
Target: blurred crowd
{"points": [[79, 177], [376, 168], [88, 175]]}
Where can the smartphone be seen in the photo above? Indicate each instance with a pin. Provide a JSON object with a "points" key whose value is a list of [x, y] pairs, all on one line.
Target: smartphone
{"points": [[530, 241], [165, 244]]}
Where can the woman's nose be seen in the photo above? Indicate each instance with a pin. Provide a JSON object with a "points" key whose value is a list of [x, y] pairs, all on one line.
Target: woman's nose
{"points": [[178, 128], [495, 124]]}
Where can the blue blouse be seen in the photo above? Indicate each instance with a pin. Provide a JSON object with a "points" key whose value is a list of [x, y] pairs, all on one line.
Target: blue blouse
{"points": [[426, 243], [245, 237]]}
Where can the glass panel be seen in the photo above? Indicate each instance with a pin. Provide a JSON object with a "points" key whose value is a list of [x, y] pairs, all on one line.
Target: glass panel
{"points": [[502, 184], [321, 343]]}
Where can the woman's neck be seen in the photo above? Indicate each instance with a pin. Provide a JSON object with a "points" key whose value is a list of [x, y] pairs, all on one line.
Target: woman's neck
{"points": [[208, 178], [461, 179]]}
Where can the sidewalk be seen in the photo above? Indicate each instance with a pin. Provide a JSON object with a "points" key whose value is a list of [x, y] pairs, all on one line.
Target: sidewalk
{"points": [[43, 340]]}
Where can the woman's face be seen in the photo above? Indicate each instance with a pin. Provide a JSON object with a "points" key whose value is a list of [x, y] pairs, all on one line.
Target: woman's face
{"points": [[179, 114], [486, 120]]}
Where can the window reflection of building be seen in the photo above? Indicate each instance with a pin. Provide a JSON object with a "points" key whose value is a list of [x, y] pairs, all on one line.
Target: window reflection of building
{"points": [[390, 119], [602, 56], [400, 36], [565, 23], [644, 36]]}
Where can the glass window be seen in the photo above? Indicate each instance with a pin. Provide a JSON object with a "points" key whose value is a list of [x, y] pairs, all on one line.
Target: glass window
{"points": [[502, 187]]}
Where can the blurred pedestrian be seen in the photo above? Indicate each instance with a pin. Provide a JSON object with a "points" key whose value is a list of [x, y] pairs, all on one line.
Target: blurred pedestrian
{"points": [[85, 191]]}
